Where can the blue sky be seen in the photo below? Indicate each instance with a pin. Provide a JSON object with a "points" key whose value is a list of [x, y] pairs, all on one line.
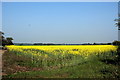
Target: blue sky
{"points": [[60, 22]]}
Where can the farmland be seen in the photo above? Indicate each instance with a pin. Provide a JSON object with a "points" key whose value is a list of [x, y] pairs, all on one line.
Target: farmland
{"points": [[61, 61]]}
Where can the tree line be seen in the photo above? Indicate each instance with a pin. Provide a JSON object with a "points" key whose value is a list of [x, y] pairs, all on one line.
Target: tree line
{"points": [[8, 41]]}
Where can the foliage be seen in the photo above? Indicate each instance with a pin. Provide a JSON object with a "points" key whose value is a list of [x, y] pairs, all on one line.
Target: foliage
{"points": [[116, 43], [5, 41]]}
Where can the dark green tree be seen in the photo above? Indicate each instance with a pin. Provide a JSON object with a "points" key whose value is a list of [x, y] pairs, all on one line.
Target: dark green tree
{"points": [[9, 40], [5, 41], [116, 43]]}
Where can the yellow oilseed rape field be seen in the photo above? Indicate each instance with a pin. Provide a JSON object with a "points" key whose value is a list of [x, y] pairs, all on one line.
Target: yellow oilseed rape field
{"points": [[60, 56], [57, 52], [63, 50]]}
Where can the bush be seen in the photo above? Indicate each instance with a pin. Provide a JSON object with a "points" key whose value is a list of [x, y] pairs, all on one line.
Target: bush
{"points": [[116, 43]]}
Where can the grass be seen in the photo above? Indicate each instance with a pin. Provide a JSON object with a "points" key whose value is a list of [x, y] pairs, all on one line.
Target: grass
{"points": [[95, 66]]}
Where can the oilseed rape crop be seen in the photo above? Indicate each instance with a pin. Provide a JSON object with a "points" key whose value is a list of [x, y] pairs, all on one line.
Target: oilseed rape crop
{"points": [[61, 55]]}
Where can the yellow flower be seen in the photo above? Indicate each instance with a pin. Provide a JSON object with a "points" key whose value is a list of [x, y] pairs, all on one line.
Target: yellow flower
{"points": [[84, 50]]}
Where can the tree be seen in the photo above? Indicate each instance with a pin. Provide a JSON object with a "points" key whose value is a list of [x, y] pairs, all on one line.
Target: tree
{"points": [[116, 43], [1, 38], [9, 40], [5, 41]]}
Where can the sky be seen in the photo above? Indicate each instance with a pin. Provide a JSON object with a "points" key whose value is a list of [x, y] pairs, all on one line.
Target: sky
{"points": [[0, 16], [60, 22], [59, 0]]}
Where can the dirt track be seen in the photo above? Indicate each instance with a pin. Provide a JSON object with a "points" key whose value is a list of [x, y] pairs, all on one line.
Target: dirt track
{"points": [[1, 52]]}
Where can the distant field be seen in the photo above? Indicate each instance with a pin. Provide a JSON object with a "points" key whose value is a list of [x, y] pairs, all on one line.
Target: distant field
{"points": [[64, 61]]}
